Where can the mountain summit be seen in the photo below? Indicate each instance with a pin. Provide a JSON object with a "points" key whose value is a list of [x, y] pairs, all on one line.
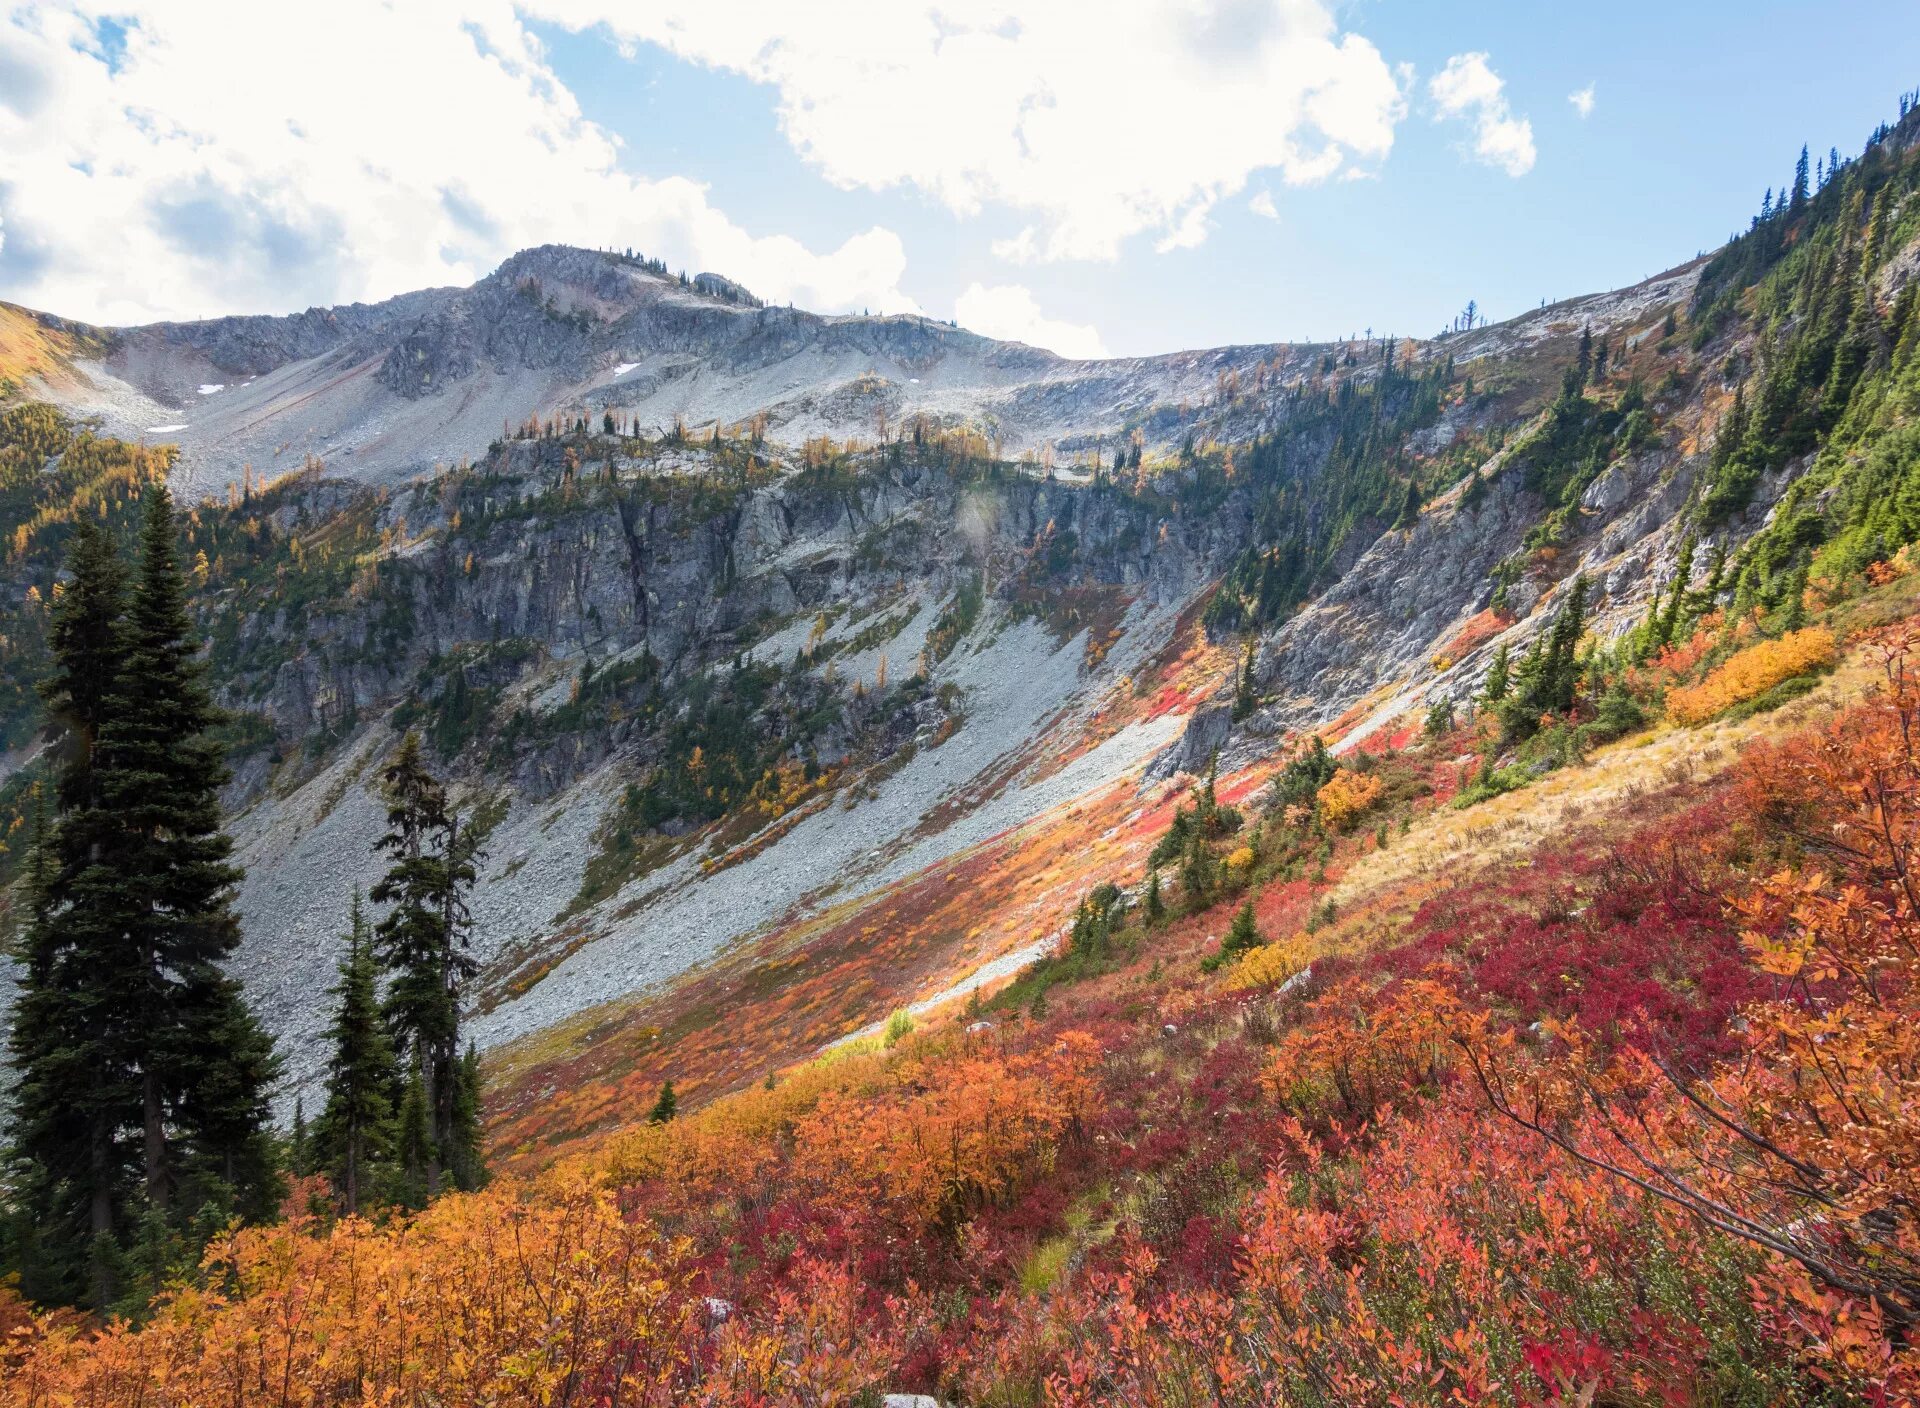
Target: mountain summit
{"points": [[385, 391]]}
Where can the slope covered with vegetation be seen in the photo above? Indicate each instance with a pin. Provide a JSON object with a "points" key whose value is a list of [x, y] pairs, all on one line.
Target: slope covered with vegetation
{"points": [[1554, 1041]]}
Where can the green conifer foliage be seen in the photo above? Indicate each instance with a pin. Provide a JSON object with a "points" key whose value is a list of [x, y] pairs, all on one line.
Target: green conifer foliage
{"points": [[204, 1064], [422, 942], [67, 1155], [356, 1129], [665, 1107]]}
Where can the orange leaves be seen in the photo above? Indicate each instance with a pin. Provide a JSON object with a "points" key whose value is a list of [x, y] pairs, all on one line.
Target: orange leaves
{"points": [[482, 1299], [1364, 1054], [1447, 1263], [1752, 672], [938, 1141], [818, 1348], [1809, 1145], [1345, 796]]}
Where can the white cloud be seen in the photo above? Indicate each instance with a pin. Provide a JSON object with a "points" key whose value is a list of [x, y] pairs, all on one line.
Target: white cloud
{"points": [[1009, 311], [1469, 88], [249, 157], [1262, 204], [1582, 101], [1099, 125]]}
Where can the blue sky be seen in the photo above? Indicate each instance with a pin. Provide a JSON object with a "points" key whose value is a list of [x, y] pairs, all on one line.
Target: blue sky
{"points": [[1697, 109], [1128, 177]]}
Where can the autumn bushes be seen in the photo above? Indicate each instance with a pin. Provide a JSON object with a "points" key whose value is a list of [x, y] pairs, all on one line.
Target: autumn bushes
{"points": [[1751, 673], [541, 1295], [1583, 1134], [1447, 1263], [487, 1298], [922, 1140], [571, 1288]]}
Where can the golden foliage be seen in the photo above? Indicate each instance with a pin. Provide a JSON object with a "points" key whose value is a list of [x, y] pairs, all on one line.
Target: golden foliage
{"points": [[1346, 796], [1270, 965], [1752, 672]]}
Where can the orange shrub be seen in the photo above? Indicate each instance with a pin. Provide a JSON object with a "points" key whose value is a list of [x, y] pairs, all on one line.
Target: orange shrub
{"points": [[1752, 672], [938, 1140], [483, 1299], [1345, 796], [1355, 1055]]}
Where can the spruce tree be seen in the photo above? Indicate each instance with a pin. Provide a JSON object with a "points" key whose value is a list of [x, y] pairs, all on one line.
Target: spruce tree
{"points": [[299, 1143], [1410, 504], [356, 1129], [1243, 933], [204, 1065], [464, 1160], [665, 1107], [414, 1142], [74, 1100], [1495, 688], [421, 941]]}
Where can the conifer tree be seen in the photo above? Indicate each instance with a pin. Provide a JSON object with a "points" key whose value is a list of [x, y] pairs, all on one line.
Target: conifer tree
{"points": [[204, 1065], [1242, 934], [465, 1162], [68, 1154], [414, 1141], [299, 1144], [1669, 619], [356, 1129], [1196, 873], [1495, 688], [422, 942], [665, 1107], [1410, 505]]}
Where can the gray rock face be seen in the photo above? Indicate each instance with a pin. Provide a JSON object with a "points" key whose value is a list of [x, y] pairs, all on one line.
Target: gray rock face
{"points": [[553, 567], [387, 391]]}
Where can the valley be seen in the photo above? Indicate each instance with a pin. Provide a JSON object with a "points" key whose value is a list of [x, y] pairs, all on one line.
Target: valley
{"points": [[1017, 879]]}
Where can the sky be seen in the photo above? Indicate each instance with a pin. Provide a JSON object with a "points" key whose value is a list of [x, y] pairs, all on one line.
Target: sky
{"points": [[1099, 177]]}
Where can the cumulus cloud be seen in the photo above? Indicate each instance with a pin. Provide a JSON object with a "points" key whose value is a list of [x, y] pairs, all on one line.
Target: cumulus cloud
{"points": [[1139, 117], [1468, 89], [1010, 312], [165, 158], [1262, 204], [1582, 101]]}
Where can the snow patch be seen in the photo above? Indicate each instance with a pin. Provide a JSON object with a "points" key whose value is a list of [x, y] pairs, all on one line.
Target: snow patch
{"points": [[624, 368], [208, 388], [163, 429]]}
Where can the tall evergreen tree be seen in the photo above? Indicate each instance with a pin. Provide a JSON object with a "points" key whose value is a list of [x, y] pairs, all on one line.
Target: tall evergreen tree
{"points": [[464, 1160], [204, 1064], [414, 1141], [356, 1129], [422, 940], [74, 1100]]}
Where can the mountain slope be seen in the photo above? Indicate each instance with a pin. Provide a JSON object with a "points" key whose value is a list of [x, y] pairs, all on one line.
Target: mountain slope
{"points": [[719, 689], [382, 392]]}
